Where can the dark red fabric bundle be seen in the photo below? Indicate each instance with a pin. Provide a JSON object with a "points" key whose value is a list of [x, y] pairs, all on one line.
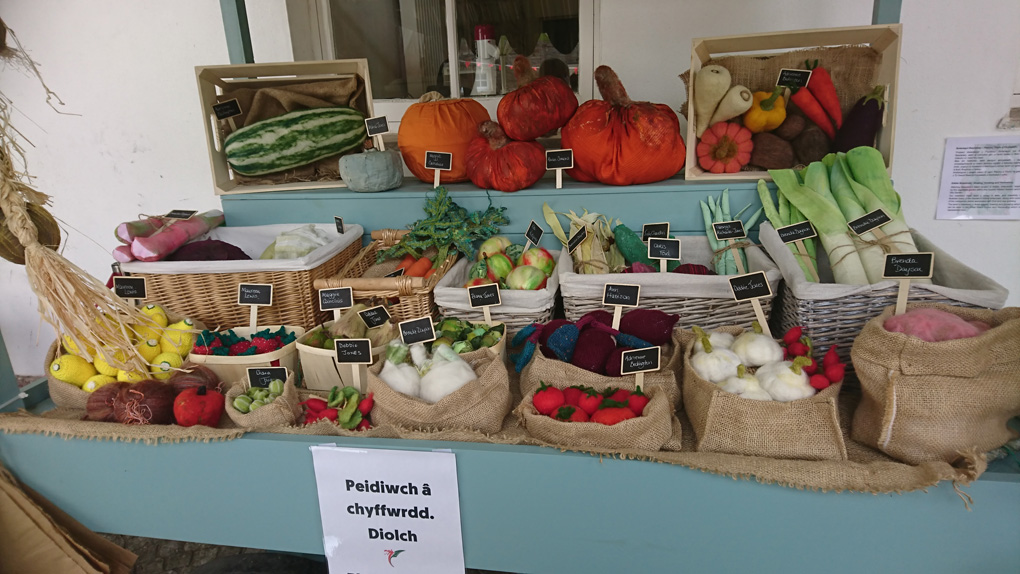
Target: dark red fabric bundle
{"points": [[650, 325], [144, 402], [194, 375], [614, 362], [593, 349]]}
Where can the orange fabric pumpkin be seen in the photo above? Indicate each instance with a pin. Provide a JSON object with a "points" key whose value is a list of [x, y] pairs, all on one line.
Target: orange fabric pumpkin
{"points": [[436, 124], [725, 147], [617, 141], [538, 106], [494, 161]]}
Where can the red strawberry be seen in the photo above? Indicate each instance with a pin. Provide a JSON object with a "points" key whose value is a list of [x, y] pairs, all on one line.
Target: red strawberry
{"points": [[201, 350], [216, 342], [819, 382], [637, 401], [830, 358], [239, 347], [797, 349], [263, 345], [812, 368], [590, 401], [612, 415], [570, 414], [835, 373], [618, 395], [572, 395], [547, 399], [793, 335]]}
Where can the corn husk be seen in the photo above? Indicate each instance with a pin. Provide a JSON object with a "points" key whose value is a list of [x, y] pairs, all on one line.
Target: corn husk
{"points": [[598, 252]]}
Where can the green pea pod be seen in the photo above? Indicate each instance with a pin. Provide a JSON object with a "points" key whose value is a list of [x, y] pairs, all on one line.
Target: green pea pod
{"points": [[335, 398], [276, 387], [351, 396], [353, 422], [242, 404]]}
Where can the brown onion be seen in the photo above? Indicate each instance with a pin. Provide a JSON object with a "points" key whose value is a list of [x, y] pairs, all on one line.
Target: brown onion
{"points": [[101, 403], [145, 402], [194, 375]]}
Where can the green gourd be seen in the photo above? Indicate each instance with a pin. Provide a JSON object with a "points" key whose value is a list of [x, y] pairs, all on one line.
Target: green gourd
{"points": [[294, 139], [634, 250]]}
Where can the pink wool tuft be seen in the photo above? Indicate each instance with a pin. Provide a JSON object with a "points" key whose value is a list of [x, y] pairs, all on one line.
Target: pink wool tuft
{"points": [[932, 325]]}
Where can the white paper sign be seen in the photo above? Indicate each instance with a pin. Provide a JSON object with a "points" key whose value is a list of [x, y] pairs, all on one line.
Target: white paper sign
{"points": [[980, 178], [389, 510]]}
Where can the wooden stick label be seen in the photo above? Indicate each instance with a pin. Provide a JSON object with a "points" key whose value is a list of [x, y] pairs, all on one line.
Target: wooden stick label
{"points": [[559, 159], [793, 78], [659, 248], [621, 295], [417, 330], [484, 295], [440, 160], [729, 230], [180, 214], [577, 239], [356, 351], [640, 360], [339, 221], [226, 110], [909, 265], [797, 232], [260, 377], [129, 287], [338, 298], [650, 230], [257, 294], [534, 233], [750, 286], [374, 316], [377, 126], [869, 221]]}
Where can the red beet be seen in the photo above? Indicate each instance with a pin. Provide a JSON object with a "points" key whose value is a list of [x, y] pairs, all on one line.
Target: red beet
{"points": [[548, 329], [599, 316], [650, 325], [614, 360], [593, 349]]}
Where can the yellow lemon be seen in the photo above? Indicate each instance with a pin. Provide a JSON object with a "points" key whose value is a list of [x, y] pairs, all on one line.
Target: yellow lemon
{"points": [[163, 366], [183, 324], [130, 376], [175, 341], [96, 381], [72, 369], [156, 313], [148, 349], [104, 367], [145, 332], [72, 348]]}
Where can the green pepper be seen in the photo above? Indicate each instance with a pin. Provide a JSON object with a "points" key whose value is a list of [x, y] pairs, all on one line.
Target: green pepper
{"points": [[353, 422], [243, 403], [335, 399], [351, 397]]}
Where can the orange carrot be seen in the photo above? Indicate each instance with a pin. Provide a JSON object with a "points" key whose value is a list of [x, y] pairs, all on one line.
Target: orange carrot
{"points": [[419, 268], [430, 272], [406, 262]]}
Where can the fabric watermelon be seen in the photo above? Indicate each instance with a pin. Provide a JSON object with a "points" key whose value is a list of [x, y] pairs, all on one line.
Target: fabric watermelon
{"points": [[294, 139]]}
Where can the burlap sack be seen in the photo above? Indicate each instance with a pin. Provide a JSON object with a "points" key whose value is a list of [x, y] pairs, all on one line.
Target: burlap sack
{"points": [[559, 374], [480, 405], [264, 103], [648, 432], [281, 412], [806, 429], [63, 394], [934, 401]]}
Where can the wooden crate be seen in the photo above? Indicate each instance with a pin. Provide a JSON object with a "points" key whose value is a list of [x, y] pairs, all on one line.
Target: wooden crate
{"points": [[883, 39], [213, 81]]}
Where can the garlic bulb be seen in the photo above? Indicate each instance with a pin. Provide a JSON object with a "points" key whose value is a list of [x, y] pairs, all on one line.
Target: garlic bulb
{"points": [[756, 348]]}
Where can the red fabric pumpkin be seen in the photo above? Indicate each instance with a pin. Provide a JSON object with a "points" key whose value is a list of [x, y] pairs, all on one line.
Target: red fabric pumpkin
{"points": [[198, 406], [617, 141], [437, 124], [496, 162], [538, 106]]}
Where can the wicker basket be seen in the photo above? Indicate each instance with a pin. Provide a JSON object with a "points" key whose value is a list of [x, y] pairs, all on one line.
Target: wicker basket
{"points": [[211, 297], [406, 297], [703, 300], [833, 314], [518, 310]]}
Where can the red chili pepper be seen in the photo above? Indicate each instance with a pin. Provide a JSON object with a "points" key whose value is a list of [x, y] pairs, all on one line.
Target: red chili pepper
{"points": [[835, 373], [830, 358], [819, 382], [330, 414], [365, 405], [821, 87], [793, 335], [813, 110]]}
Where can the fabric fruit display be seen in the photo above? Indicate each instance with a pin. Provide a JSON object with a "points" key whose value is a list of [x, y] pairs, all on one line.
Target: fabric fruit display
{"points": [[618, 141], [494, 161], [725, 148], [442, 125], [538, 106]]}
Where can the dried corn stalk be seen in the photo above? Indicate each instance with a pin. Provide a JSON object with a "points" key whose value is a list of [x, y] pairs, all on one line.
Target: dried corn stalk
{"points": [[598, 252]]}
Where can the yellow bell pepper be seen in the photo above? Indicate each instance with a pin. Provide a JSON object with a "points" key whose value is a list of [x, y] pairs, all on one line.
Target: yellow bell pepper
{"points": [[768, 110]]}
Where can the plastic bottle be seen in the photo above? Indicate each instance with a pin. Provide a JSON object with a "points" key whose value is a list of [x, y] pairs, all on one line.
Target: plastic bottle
{"points": [[486, 53]]}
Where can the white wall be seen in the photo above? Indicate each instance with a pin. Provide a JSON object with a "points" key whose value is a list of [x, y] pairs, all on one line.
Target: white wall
{"points": [[137, 147]]}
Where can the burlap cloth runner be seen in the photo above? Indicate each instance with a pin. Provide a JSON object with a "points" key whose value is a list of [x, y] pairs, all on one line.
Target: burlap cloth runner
{"points": [[282, 412], [480, 405], [67, 423], [853, 70], [264, 103], [934, 401], [805, 429]]}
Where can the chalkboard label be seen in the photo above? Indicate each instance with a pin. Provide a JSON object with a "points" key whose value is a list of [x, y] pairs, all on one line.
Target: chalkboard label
{"points": [[440, 160], [663, 248], [729, 230], [534, 233], [640, 360], [559, 159], [577, 239], [226, 110], [357, 351], [650, 230], [180, 214], [377, 126], [417, 330], [909, 265], [129, 287], [339, 221], [484, 295], [257, 294], [396, 272], [621, 295], [793, 78], [374, 316], [338, 298], [750, 286], [797, 232], [116, 268], [869, 221], [260, 377]]}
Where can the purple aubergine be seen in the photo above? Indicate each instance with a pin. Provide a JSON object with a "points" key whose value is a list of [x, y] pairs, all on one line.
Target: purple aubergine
{"points": [[860, 126]]}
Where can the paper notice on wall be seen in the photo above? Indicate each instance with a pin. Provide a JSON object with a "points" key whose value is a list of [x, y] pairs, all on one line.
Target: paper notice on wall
{"points": [[980, 179], [389, 510]]}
